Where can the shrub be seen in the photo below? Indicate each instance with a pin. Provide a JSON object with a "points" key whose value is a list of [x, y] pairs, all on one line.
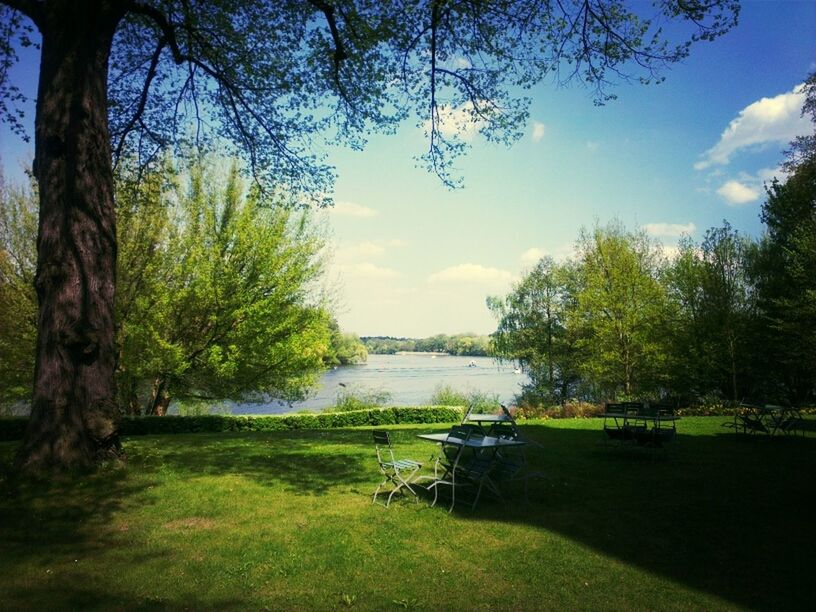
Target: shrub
{"points": [[568, 410], [199, 408], [13, 428], [359, 398], [482, 402]]}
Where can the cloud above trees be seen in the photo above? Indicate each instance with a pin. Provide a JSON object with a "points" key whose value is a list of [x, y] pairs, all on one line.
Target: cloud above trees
{"points": [[352, 209], [471, 273], [775, 120], [669, 230], [737, 193]]}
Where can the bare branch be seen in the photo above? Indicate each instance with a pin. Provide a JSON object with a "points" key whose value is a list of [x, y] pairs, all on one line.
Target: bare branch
{"points": [[137, 116]]}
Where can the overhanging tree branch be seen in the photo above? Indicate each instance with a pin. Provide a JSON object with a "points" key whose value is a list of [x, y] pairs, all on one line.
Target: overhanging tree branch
{"points": [[137, 116], [33, 9]]}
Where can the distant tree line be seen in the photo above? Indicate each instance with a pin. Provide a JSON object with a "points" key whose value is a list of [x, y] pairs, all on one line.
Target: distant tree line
{"points": [[470, 345], [728, 318]]}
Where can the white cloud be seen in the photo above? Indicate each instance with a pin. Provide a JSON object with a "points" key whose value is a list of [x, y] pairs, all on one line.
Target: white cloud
{"points": [[669, 229], [367, 249], [352, 209], [471, 273], [538, 131], [766, 175], [370, 271], [592, 146], [766, 121], [532, 255], [736, 193]]}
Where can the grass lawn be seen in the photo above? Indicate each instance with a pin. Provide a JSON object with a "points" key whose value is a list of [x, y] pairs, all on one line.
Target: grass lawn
{"points": [[284, 520]]}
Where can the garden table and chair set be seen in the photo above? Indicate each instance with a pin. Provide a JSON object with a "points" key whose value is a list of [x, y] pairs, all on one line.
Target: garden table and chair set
{"points": [[768, 420], [484, 453], [642, 424]]}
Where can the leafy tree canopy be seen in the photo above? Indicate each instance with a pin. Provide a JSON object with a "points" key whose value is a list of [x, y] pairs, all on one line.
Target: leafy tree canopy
{"points": [[276, 78]]}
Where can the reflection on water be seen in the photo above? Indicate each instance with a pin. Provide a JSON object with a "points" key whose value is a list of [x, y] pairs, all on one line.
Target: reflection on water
{"points": [[410, 379]]}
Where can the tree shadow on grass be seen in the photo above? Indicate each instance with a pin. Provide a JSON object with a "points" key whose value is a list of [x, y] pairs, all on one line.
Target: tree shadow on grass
{"points": [[49, 530], [726, 516]]}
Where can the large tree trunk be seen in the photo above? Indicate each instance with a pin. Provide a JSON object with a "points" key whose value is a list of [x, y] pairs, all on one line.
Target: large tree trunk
{"points": [[74, 414]]}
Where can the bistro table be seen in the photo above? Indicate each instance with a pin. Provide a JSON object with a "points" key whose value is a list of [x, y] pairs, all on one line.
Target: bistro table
{"points": [[487, 442], [475, 470]]}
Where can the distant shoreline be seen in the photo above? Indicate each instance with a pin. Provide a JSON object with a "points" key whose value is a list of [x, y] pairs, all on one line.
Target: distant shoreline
{"points": [[432, 353]]}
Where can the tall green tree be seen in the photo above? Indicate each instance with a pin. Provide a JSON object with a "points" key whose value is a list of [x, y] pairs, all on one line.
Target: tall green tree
{"points": [[728, 306], [785, 268], [621, 312], [532, 330], [344, 348], [692, 363], [270, 77], [221, 295]]}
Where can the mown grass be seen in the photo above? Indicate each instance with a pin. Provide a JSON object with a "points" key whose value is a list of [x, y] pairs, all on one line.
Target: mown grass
{"points": [[284, 520]]}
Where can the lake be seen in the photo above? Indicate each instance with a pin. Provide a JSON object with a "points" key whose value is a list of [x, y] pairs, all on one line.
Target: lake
{"points": [[409, 378]]}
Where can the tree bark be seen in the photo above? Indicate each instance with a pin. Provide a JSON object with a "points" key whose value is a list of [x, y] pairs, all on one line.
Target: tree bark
{"points": [[159, 398], [74, 414]]}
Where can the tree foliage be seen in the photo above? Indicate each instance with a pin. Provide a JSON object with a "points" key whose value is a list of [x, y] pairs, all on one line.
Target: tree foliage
{"points": [[785, 267], [344, 348], [533, 330], [621, 311], [223, 302], [218, 290], [716, 316], [18, 300]]}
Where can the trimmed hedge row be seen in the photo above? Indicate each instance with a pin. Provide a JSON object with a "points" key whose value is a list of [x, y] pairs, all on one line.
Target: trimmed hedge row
{"points": [[12, 428]]}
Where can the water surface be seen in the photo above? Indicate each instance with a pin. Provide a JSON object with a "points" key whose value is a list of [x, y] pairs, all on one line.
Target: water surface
{"points": [[409, 378]]}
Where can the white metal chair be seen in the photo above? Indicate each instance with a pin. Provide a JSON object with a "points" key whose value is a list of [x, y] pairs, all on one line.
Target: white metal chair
{"points": [[399, 472]]}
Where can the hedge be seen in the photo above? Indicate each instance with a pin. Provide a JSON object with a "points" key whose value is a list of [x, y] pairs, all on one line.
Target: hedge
{"points": [[12, 428]]}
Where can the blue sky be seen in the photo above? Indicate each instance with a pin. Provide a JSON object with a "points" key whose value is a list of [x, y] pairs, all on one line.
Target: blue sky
{"points": [[413, 258]]}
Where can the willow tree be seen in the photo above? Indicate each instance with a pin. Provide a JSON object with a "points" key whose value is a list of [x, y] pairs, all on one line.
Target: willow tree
{"points": [[272, 78]]}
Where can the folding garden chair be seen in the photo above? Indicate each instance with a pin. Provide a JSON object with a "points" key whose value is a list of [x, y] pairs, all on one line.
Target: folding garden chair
{"points": [[399, 472], [511, 466], [614, 417], [456, 469], [448, 461]]}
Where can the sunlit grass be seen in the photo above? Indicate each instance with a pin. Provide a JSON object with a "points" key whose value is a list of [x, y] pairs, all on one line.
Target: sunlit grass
{"points": [[284, 521]]}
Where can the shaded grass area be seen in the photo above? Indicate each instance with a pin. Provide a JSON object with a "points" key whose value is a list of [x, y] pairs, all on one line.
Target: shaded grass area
{"points": [[284, 520]]}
